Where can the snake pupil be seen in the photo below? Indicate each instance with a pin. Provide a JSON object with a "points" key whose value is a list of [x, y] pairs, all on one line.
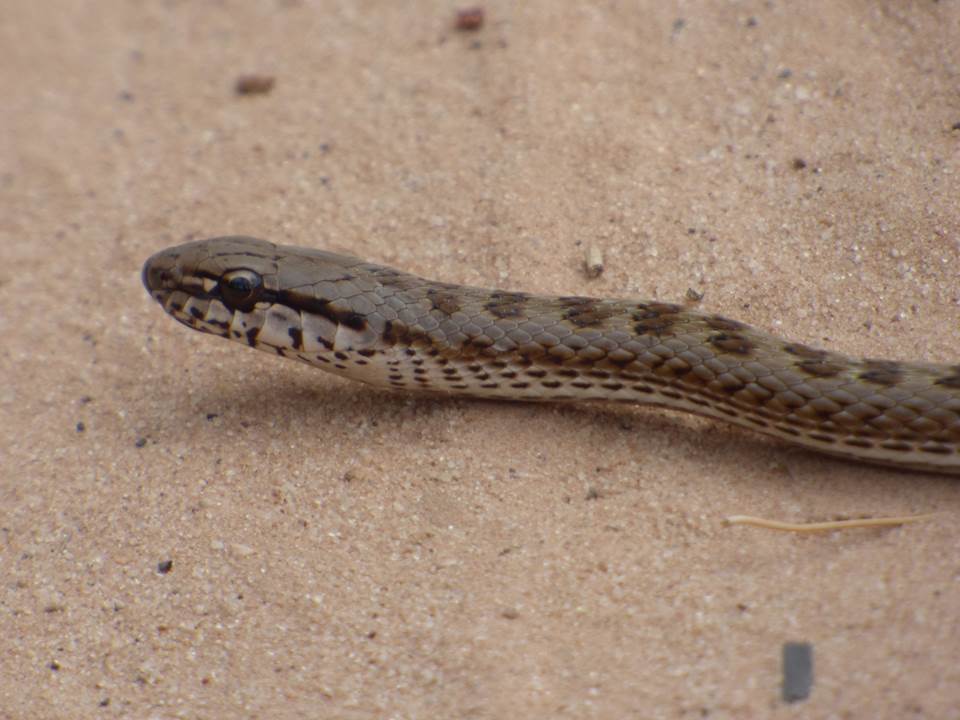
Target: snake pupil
{"points": [[240, 289]]}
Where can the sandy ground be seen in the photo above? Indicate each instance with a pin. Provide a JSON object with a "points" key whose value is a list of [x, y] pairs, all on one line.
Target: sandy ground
{"points": [[192, 529]]}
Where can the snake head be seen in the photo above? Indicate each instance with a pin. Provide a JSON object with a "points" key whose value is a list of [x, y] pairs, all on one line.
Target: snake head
{"points": [[269, 296], [204, 284]]}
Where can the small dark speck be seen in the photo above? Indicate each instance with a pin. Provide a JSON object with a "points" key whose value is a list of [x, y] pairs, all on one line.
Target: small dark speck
{"points": [[54, 666], [592, 494], [254, 84], [125, 95], [469, 19], [679, 24], [81, 427], [797, 671], [164, 566], [799, 163], [785, 74], [371, 635], [955, 126], [105, 702], [752, 22], [85, 399], [212, 416], [691, 231], [140, 442]]}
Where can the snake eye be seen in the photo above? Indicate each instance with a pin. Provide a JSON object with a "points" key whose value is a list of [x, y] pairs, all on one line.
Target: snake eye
{"points": [[240, 289]]}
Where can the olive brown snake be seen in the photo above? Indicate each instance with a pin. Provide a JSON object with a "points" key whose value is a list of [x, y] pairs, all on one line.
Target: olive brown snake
{"points": [[392, 329]]}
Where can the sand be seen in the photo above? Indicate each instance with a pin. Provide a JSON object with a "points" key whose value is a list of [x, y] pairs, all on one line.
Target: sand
{"points": [[193, 529]]}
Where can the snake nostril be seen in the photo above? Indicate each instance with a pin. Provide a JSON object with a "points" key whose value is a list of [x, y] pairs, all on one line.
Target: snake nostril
{"points": [[156, 275]]}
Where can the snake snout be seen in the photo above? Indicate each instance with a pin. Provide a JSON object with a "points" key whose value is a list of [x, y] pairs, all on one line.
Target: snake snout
{"points": [[160, 272]]}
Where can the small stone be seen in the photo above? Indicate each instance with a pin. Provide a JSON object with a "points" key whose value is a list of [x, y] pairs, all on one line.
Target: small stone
{"points": [[593, 261], [470, 19], [254, 84]]}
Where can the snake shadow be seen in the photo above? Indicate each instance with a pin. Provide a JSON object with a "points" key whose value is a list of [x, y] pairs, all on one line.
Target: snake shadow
{"points": [[303, 402]]}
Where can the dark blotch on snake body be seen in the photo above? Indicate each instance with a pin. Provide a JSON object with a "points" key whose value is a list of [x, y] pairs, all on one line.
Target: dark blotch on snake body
{"points": [[805, 351], [655, 318], [820, 368], [732, 343], [480, 341], [574, 300], [506, 305], [729, 384], [718, 322], [445, 302], [952, 380], [881, 372], [589, 313], [656, 325]]}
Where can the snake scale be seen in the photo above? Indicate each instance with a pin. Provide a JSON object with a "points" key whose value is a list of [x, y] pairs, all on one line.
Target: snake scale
{"points": [[392, 329]]}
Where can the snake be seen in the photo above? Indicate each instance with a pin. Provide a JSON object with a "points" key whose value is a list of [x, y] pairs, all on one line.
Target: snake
{"points": [[393, 329]]}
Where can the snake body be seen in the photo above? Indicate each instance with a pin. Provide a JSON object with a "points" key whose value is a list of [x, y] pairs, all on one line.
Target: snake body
{"points": [[392, 329]]}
